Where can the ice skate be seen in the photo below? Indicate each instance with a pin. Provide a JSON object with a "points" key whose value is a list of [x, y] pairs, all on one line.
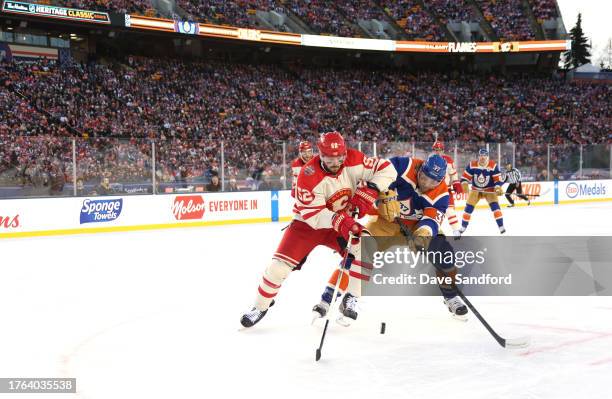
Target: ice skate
{"points": [[319, 311], [456, 306], [348, 310], [252, 317]]}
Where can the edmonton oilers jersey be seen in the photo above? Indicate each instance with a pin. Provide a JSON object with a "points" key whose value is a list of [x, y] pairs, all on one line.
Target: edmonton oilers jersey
{"points": [[482, 178], [421, 209]]}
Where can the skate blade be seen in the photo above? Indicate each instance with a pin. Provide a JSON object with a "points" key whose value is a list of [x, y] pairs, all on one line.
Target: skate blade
{"points": [[315, 316], [462, 318], [344, 321]]}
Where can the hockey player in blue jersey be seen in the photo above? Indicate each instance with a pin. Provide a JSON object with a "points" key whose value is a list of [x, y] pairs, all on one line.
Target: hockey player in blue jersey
{"points": [[482, 179], [418, 199]]}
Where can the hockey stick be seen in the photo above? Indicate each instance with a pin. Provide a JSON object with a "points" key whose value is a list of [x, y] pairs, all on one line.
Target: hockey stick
{"points": [[345, 264], [504, 342]]}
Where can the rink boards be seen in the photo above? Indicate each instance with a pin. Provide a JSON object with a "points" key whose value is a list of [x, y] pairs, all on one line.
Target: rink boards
{"points": [[81, 215]]}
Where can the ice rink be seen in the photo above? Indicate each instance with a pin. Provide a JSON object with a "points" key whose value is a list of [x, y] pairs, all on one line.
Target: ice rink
{"points": [[156, 315]]}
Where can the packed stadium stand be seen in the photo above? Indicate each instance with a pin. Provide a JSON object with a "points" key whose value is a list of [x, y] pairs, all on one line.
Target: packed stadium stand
{"points": [[189, 108], [125, 111], [414, 19]]}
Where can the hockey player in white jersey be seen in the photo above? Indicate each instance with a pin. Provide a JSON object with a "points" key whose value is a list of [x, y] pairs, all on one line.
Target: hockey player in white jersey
{"points": [[329, 187]]}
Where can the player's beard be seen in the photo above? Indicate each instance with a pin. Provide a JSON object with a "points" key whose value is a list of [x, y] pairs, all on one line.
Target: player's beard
{"points": [[425, 182], [333, 168], [334, 165]]}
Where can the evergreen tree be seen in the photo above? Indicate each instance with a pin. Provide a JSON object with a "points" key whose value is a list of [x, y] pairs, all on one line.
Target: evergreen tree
{"points": [[580, 53]]}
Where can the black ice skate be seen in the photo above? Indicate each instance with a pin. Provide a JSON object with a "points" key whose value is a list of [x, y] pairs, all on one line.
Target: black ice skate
{"points": [[458, 233], [457, 308], [253, 316], [319, 310], [348, 310]]}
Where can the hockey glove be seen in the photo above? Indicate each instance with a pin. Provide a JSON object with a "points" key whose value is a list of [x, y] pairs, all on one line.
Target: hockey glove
{"points": [[388, 206], [465, 186], [457, 188], [343, 224], [498, 190], [420, 239], [363, 200]]}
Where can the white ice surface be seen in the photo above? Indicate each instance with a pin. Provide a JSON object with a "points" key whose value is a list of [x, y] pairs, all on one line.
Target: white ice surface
{"points": [[155, 315]]}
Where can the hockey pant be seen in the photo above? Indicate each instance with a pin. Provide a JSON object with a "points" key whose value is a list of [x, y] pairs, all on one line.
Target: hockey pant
{"points": [[473, 198]]}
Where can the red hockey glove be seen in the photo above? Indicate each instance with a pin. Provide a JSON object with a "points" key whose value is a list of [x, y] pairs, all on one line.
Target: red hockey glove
{"points": [[344, 224], [363, 200], [457, 188]]}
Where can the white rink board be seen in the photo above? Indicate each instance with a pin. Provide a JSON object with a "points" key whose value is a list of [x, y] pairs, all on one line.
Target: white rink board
{"points": [[64, 214], [56, 216], [584, 191], [539, 192]]}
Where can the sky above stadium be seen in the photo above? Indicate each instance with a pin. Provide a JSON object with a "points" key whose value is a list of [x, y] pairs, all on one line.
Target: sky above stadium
{"points": [[596, 22]]}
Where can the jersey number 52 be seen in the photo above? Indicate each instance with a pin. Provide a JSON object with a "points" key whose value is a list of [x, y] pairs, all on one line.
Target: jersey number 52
{"points": [[305, 196]]}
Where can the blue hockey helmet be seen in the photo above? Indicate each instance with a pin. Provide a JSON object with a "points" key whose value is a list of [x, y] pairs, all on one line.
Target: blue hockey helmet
{"points": [[434, 167], [483, 152]]}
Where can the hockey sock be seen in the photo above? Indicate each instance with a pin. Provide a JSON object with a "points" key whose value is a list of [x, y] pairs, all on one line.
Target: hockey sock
{"points": [[467, 215], [271, 282], [497, 213], [448, 290], [452, 217]]}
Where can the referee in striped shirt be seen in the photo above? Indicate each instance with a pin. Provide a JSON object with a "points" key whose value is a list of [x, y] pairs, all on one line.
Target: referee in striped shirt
{"points": [[513, 177]]}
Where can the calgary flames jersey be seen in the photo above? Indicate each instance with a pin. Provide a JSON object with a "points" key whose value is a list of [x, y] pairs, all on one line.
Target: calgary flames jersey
{"points": [[482, 178], [296, 167], [320, 194], [451, 171], [418, 209]]}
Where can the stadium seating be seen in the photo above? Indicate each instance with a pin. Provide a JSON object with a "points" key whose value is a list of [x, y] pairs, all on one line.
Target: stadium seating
{"points": [[189, 108]]}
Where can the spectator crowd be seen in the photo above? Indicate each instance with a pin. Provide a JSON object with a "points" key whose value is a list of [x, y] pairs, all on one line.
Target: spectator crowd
{"points": [[416, 22], [452, 10], [115, 109], [507, 17]]}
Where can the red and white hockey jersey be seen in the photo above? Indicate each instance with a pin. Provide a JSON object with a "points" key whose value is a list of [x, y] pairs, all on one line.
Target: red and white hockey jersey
{"points": [[296, 167], [320, 194], [451, 171]]}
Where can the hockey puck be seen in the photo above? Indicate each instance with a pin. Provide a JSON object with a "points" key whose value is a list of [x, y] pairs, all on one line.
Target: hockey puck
{"points": [[382, 327]]}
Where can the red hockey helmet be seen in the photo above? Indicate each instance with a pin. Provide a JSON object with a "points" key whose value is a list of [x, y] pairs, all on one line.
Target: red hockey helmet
{"points": [[438, 146], [305, 150], [331, 144], [332, 151], [305, 146]]}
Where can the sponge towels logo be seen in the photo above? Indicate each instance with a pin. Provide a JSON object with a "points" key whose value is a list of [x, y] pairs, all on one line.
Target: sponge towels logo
{"points": [[96, 211], [188, 207]]}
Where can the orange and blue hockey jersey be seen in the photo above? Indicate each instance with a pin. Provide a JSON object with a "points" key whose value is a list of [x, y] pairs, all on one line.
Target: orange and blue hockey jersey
{"points": [[482, 178], [418, 209]]}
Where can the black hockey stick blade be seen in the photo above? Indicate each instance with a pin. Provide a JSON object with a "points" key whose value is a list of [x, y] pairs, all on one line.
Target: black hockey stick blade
{"points": [[504, 343], [516, 343], [318, 354], [513, 343]]}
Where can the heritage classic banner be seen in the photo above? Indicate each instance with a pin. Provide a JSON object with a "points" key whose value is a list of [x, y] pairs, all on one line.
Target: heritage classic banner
{"points": [[47, 11]]}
